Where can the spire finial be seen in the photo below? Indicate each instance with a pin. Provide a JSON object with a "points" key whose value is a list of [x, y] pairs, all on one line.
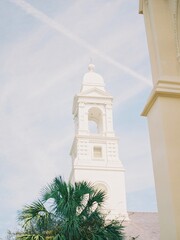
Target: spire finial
{"points": [[91, 66]]}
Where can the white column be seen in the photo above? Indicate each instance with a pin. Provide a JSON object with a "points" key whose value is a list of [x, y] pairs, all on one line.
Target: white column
{"points": [[163, 110]]}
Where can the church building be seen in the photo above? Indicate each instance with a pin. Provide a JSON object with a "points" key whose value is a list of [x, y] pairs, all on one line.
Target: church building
{"points": [[94, 151]]}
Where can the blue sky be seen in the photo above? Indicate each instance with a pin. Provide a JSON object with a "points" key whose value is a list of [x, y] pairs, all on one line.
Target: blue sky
{"points": [[46, 46]]}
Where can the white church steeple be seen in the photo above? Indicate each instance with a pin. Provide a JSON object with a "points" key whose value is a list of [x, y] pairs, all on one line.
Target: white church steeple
{"points": [[94, 151]]}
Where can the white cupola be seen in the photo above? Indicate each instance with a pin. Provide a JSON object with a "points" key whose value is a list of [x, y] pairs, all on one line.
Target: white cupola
{"points": [[92, 79]]}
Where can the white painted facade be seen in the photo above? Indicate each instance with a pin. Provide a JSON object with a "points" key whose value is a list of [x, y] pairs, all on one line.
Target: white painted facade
{"points": [[94, 151]]}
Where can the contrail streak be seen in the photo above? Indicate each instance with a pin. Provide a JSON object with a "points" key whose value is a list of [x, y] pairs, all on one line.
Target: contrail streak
{"points": [[60, 28], [132, 92]]}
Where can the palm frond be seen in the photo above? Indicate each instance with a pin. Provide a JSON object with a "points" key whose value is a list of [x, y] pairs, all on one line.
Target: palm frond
{"points": [[75, 213], [29, 237], [35, 217]]}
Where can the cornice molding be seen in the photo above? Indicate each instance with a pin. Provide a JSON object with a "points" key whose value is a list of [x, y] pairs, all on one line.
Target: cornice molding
{"points": [[81, 101], [99, 168], [162, 89], [95, 137]]}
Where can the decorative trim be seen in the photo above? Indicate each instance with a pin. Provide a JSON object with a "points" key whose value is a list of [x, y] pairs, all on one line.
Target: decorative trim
{"points": [[175, 6], [162, 89], [86, 167], [178, 28], [140, 6], [95, 137]]}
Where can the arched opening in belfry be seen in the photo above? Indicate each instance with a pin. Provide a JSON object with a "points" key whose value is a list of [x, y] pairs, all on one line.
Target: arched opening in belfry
{"points": [[95, 120], [93, 127]]}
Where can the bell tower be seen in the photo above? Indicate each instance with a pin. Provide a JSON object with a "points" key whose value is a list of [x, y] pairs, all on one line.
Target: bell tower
{"points": [[94, 150]]}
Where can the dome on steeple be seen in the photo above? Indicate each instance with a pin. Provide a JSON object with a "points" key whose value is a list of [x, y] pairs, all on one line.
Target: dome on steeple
{"points": [[92, 79]]}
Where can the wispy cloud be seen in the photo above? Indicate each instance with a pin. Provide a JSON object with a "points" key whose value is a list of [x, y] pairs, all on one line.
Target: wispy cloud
{"points": [[60, 28], [129, 94]]}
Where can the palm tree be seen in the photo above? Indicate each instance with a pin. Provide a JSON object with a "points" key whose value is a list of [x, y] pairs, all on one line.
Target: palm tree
{"points": [[68, 211]]}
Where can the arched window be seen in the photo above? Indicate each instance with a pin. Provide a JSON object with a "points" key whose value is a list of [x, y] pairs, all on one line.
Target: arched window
{"points": [[101, 186], [95, 120]]}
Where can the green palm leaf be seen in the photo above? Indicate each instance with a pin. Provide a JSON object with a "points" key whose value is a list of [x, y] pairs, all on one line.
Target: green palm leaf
{"points": [[68, 211]]}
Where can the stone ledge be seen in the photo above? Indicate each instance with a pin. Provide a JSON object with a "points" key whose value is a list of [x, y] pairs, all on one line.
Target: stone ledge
{"points": [[162, 89]]}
